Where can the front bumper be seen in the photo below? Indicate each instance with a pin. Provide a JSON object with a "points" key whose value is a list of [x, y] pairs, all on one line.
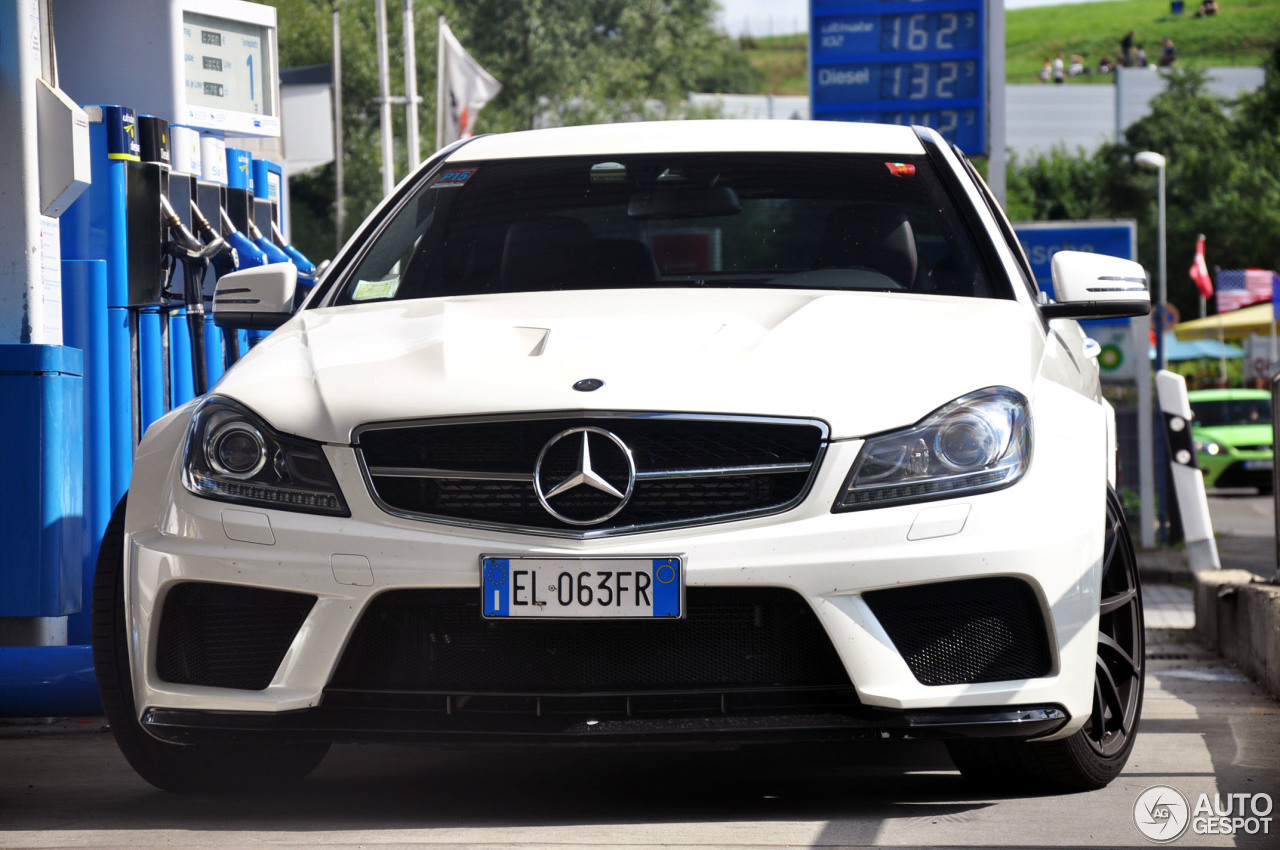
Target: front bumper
{"points": [[1046, 531], [1237, 469]]}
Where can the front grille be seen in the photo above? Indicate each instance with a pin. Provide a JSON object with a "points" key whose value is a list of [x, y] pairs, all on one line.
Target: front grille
{"points": [[731, 638], [963, 632], [225, 636], [688, 470]]}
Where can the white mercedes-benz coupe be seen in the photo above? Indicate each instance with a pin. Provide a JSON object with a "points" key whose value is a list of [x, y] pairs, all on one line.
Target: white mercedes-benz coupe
{"points": [[704, 434]]}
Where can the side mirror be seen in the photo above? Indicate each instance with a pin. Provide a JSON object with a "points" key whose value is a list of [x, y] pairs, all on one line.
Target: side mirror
{"points": [[259, 299], [1096, 286]]}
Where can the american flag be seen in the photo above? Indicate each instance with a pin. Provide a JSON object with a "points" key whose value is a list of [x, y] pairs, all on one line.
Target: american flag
{"points": [[1241, 287]]}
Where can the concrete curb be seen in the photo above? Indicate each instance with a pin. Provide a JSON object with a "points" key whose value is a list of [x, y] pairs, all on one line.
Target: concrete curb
{"points": [[1239, 616]]}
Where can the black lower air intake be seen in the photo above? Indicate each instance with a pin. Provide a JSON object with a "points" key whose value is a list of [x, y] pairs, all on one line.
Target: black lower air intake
{"points": [[964, 632]]}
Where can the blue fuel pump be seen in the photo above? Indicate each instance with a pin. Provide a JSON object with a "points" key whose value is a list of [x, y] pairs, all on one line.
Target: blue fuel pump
{"points": [[268, 189], [131, 346], [95, 304], [94, 232], [148, 272]]}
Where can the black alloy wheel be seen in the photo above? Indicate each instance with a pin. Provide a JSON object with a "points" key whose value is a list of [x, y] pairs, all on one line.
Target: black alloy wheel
{"points": [[1097, 752], [232, 767], [1117, 689]]}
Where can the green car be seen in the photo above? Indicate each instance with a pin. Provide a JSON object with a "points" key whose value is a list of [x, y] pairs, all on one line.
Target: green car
{"points": [[1232, 430]]}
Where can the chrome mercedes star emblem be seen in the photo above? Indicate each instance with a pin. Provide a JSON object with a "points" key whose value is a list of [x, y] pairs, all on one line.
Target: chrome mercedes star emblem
{"points": [[612, 473]]}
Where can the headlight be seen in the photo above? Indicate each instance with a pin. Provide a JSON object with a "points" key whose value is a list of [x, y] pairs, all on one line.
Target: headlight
{"points": [[1208, 447], [975, 444], [231, 455]]}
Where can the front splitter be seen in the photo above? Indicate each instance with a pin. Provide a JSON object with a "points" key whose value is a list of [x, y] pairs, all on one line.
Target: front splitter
{"points": [[187, 726]]}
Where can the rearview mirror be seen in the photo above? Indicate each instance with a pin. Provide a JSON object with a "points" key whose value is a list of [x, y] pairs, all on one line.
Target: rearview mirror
{"points": [[1097, 286], [258, 299]]}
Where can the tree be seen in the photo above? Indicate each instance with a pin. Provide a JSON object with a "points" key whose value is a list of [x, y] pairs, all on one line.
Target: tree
{"points": [[306, 39], [1258, 134], [560, 62], [1223, 180], [1055, 187]]}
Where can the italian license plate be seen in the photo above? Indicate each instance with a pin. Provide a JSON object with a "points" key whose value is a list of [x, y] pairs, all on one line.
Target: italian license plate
{"points": [[1259, 465], [584, 588]]}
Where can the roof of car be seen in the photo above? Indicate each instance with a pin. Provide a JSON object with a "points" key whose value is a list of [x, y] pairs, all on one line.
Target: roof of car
{"points": [[737, 136], [1230, 394]]}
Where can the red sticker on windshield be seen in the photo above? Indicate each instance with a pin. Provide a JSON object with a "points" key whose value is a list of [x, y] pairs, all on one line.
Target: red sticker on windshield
{"points": [[901, 169]]}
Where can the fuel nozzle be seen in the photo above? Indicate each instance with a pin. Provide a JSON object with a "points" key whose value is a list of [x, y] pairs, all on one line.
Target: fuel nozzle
{"points": [[273, 252], [203, 227], [195, 255], [305, 267], [182, 242], [251, 255], [228, 258]]}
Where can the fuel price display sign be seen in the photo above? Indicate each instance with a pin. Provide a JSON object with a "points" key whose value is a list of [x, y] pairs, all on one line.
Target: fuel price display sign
{"points": [[902, 62]]}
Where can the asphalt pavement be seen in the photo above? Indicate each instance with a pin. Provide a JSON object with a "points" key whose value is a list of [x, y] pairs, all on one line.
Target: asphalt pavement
{"points": [[1206, 730], [1245, 527]]}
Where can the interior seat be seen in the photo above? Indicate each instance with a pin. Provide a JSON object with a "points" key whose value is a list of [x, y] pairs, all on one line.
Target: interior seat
{"points": [[559, 253], [619, 262], [870, 236], [544, 253]]}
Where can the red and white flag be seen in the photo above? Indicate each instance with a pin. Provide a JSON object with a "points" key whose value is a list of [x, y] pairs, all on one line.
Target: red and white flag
{"points": [[1200, 272], [465, 87], [1241, 287]]}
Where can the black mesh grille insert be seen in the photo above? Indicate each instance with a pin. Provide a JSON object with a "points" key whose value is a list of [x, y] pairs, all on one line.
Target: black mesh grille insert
{"points": [[225, 636], [436, 640], [962, 632], [665, 449]]}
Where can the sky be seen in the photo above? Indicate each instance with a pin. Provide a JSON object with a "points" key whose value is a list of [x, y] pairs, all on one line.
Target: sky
{"points": [[779, 17]]}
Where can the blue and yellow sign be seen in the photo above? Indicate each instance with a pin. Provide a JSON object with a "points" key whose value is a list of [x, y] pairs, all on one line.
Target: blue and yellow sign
{"points": [[122, 133]]}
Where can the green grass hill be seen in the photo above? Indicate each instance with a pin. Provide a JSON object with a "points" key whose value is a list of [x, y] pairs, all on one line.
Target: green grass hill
{"points": [[1241, 34], [784, 59]]}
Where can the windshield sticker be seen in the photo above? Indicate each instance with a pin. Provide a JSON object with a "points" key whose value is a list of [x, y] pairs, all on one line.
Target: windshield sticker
{"points": [[901, 169], [369, 290], [453, 177]]}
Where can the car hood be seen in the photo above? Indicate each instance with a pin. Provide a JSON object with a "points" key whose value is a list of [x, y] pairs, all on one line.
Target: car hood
{"points": [[1236, 436], [863, 362]]}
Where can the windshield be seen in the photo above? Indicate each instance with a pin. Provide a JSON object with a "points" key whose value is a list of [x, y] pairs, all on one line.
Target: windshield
{"points": [[849, 222], [1245, 411]]}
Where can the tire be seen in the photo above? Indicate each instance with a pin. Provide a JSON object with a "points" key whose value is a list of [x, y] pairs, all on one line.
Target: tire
{"points": [[225, 767], [1095, 754]]}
